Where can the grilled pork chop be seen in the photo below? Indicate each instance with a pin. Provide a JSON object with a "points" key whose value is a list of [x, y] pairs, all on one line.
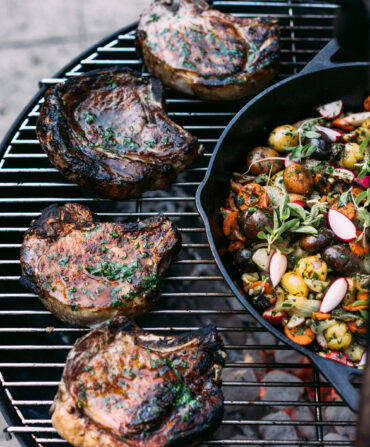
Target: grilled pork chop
{"points": [[200, 51], [108, 131], [86, 271], [123, 386]]}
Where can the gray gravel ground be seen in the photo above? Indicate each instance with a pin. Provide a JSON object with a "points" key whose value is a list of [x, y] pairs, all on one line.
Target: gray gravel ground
{"points": [[39, 37]]}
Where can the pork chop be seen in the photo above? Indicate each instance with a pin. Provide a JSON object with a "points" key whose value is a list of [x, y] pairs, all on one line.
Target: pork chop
{"points": [[86, 271], [123, 386], [108, 131], [204, 52]]}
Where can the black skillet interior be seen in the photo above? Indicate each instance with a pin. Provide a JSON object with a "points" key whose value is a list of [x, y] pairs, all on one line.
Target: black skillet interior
{"points": [[283, 103]]}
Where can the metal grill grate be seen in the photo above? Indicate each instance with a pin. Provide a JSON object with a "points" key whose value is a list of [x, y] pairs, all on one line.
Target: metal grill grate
{"points": [[193, 294]]}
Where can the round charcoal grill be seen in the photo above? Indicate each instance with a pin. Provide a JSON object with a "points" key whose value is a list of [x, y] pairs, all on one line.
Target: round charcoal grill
{"points": [[34, 344]]}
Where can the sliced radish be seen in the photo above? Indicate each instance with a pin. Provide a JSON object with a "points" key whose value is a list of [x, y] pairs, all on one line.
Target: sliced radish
{"points": [[334, 295], [342, 227], [338, 356], [321, 340], [364, 181], [356, 119], [272, 317], [343, 174], [288, 161], [331, 110], [332, 134], [362, 361], [277, 267]]}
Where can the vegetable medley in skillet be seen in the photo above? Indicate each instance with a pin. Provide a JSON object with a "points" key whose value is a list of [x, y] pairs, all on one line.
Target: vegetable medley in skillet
{"points": [[298, 224]]}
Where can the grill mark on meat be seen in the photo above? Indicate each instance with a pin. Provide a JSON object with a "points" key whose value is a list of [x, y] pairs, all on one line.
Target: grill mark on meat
{"points": [[86, 271], [123, 386], [108, 131], [201, 51]]}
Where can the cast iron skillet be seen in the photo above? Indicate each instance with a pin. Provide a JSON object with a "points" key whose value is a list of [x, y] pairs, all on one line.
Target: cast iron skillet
{"points": [[288, 101]]}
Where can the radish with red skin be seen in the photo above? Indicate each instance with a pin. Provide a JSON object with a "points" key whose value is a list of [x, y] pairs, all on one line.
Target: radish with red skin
{"points": [[356, 119], [273, 318], [321, 340], [343, 174], [364, 181], [342, 227], [300, 203], [277, 267], [338, 356], [334, 295], [331, 110], [362, 361], [332, 134]]}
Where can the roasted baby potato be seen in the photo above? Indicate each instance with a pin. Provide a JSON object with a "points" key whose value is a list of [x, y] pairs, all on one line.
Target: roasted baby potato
{"points": [[298, 179], [312, 267], [338, 336], [342, 260], [294, 284], [256, 164], [283, 136], [318, 242], [351, 155], [252, 222]]}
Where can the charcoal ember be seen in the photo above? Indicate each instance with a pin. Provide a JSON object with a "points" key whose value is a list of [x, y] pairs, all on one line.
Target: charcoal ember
{"points": [[286, 356], [247, 434], [240, 392], [303, 413], [252, 356], [284, 393], [265, 338], [334, 437], [276, 432], [342, 414]]}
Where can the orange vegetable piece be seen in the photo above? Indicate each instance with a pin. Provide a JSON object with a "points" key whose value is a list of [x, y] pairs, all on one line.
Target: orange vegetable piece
{"points": [[235, 245], [301, 335], [267, 287], [359, 248], [230, 225], [320, 316], [361, 296], [356, 330], [367, 103], [348, 210], [342, 124], [252, 194], [356, 190]]}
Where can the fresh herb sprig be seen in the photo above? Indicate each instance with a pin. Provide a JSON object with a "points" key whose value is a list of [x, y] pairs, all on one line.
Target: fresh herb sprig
{"points": [[291, 217], [365, 164], [362, 209], [306, 150]]}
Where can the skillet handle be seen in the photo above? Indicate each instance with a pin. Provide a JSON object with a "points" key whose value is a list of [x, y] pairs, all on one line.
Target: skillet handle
{"points": [[323, 58], [339, 376]]}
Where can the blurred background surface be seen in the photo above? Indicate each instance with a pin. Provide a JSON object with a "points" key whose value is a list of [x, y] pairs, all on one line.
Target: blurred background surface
{"points": [[37, 38]]}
